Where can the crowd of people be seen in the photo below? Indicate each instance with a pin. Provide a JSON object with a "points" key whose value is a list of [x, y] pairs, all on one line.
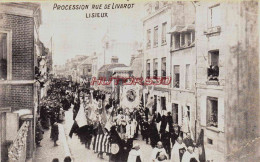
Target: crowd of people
{"points": [[114, 131]]}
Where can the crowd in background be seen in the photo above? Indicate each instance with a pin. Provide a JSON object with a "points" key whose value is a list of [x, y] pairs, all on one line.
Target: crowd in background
{"points": [[112, 130]]}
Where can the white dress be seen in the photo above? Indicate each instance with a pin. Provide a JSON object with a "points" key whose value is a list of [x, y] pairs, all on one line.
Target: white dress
{"points": [[133, 155], [156, 151], [175, 155], [187, 156]]}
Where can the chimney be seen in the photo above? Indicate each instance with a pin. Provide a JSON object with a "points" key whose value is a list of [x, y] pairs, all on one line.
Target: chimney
{"points": [[114, 60]]}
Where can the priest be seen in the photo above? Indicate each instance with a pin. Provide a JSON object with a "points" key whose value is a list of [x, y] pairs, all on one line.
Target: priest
{"points": [[178, 150]]}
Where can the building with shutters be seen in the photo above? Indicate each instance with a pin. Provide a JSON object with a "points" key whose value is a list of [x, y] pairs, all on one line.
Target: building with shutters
{"points": [[169, 51], [19, 24], [156, 47], [227, 98], [183, 66]]}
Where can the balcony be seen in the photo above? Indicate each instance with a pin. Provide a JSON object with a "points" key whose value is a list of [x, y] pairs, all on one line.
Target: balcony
{"points": [[213, 74], [213, 31]]}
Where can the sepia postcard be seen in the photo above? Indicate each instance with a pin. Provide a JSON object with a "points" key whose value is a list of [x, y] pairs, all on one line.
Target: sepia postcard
{"points": [[129, 81]]}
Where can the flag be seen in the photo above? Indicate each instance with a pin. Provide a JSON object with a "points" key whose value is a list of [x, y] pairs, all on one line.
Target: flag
{"points": [[200, 145], [130, 96], [81, 117], [150, 101], [141, 104]]}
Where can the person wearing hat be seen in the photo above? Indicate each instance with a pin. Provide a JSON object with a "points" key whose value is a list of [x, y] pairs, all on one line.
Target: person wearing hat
{"points": [[135, 155]]}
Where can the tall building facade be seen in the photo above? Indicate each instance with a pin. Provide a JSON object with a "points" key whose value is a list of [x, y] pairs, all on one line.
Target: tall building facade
{"points": [[156, 23], [227, 98], [182, 66], [19, 23]]}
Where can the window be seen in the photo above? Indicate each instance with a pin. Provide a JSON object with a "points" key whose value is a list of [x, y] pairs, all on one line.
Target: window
{"points": [[176, 78], [212, 112], [148, 43], [210, 141], [214, 16], [163, 67], [156, 7], [213, 70], [188, 39], [182, 37], [155, 67], [188, 112], [148, 68], [187, 77], [175, 113], [155, 41], [163, 103], [164, 33], [89, 70], [3, 56], [177, 38]]}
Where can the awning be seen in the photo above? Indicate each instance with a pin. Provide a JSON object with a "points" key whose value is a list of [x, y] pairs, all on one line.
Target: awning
{"points": [[188, 28], [182, 28], [176, 29]]}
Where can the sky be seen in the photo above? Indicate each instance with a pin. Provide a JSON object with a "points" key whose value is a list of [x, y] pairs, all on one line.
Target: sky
{"points": [[73, 34]]}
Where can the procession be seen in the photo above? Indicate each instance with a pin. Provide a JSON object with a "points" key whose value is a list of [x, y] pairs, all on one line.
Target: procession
{"points": [[129, 81], [111, 130]]}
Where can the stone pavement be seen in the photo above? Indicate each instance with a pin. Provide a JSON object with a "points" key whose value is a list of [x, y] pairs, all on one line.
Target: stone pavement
{"points": [[81, 154], [72, 146], [48, 152]]}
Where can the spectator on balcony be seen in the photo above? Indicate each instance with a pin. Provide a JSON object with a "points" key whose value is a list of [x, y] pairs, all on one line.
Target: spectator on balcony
{"points": [[213, 72]]}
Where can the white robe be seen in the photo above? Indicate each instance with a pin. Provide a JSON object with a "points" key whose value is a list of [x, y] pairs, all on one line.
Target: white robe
{"points": [[155, 152], [130, 130], [175, 156], [133, 155], [187, 156]]}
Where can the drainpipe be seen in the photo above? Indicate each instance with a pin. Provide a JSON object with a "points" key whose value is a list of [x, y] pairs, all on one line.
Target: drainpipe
{"points": [[196, 95]]}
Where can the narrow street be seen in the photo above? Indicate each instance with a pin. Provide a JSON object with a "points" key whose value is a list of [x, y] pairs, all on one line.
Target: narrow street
{"points": [[72, 146]]}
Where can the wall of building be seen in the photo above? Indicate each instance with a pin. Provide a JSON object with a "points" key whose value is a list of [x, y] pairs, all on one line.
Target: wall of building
{"points": [[184, 96], [237, 92], [22, 45], [206, 43], [19, 96], [242, 82], [162, 50]]}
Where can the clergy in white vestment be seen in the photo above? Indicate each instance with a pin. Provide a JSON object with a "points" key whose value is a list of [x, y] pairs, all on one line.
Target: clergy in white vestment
{"points": [[135, 155], [178, 150], [157, 150], [130, 129], [189, 154]]}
